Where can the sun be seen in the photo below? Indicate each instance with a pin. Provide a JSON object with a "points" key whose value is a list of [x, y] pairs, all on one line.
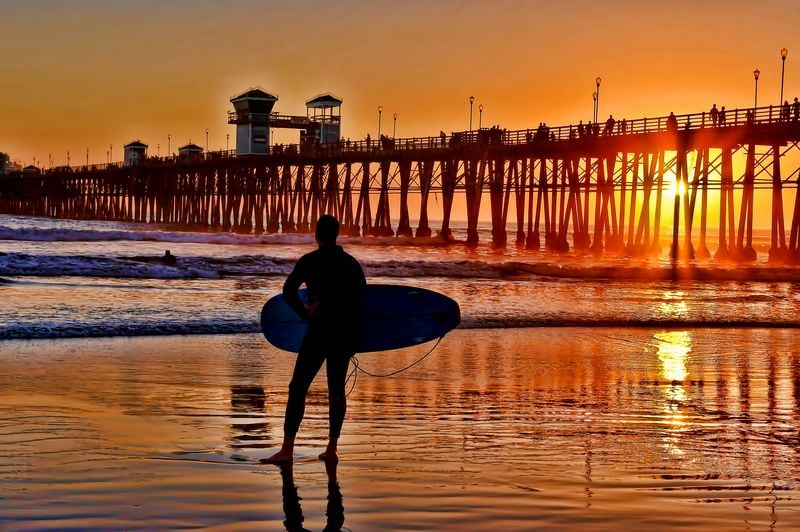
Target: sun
{"points": [[676, 187]]}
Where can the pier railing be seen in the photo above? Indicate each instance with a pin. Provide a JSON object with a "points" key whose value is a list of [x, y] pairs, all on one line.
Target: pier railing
{"points": [[621, 127]]}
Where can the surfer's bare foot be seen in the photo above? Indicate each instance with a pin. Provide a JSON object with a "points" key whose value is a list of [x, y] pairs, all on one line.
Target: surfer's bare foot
{"points": [[281, 457], [285, 455], [330, 454]]}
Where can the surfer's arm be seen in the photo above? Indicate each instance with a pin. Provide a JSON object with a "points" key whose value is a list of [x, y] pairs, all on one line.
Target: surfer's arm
{"points": [[290, 292]]}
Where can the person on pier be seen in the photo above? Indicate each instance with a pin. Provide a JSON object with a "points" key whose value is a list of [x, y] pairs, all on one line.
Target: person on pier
{"points": [[609, 129], [714, 112], [335, 283], [672, 123]]}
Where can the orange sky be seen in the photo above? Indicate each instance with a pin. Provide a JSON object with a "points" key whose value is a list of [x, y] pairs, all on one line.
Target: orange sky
{"points": [[85, 74]]}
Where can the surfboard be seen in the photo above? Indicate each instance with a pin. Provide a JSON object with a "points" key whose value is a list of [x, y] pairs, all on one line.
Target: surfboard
{"points": [[395, 316]]}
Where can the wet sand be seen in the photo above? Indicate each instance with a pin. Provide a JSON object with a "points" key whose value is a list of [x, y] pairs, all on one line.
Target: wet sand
{"points": [[499, 429]]}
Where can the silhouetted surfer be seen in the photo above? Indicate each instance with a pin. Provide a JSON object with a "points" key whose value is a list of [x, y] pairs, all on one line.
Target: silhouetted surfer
{"points": [[335, 284], [169, 259]]}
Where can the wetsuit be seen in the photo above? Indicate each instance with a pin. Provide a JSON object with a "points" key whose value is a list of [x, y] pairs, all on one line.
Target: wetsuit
{"points": [[335, 284]]}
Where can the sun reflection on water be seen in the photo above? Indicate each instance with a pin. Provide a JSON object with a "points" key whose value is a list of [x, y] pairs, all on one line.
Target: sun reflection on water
{"points": [[674, 304], [673, 352]]}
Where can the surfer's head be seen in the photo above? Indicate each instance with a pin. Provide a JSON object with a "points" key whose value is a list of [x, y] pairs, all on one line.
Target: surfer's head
{"points": [[327, 230]]}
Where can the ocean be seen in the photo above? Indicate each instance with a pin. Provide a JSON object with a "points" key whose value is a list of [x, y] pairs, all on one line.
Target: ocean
{"points": [[74, 279], [580, 392]]}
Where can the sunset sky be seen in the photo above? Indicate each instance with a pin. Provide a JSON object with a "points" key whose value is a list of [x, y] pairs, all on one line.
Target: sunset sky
{"points": [[85, 74]]}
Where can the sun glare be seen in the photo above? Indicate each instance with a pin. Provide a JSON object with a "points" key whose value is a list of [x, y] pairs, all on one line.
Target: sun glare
{"points": [[675, 187], [673, 350]]}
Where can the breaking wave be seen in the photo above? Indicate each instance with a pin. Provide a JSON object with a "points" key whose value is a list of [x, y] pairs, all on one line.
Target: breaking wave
{"points": [[56, 234], [195, 267]]}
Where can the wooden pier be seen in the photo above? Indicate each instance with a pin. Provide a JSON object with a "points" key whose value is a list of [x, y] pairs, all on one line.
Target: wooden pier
{"points": [[580, 187]]}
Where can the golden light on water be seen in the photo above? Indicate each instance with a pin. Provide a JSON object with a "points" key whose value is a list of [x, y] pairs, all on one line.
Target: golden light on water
{"points": [[673, 352], [674, 305]]}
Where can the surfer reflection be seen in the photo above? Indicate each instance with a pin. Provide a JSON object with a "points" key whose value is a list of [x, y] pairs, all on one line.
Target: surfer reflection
{"points": [[291, 500], [335, 283]]}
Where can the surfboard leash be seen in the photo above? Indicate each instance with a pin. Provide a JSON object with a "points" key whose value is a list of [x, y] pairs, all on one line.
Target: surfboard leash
{"points": [[357, 367]]}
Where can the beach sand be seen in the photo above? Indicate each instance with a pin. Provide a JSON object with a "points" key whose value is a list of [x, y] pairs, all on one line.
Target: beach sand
{"points": [[580, 428]]}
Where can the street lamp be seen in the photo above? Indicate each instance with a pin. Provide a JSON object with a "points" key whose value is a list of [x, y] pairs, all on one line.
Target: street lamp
{"points": [[206, 140], [784, 53], [67, 158], [158, 150], [110, 153], [394, 126], [169, 145], [380, 111], [227, 141], [756, 73], [597, 81], [50, 159], [480, 116], [87, 156], [471, 101], [594, 106]]}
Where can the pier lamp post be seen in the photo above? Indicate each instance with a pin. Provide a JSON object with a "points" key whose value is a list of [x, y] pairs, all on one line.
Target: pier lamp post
{"points": [[110, 152], [227, 141], [50, 159], [158, 150], [597, 81], [471, 101], [169, 145], [394, 126], [756, 73], [594, 106], [206, 140], [480, 116], [87, 156], [380, 112], [784, 53], [67, 158]]}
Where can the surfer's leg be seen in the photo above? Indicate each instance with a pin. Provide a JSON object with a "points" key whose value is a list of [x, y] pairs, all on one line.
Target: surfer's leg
{"points": [[309, 361], [337, 365]]}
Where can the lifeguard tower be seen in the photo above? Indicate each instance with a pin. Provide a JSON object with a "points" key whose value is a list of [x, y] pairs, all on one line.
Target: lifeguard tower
{"points": [[251, 115], [325, 113], [190, 152], [135, 153]]}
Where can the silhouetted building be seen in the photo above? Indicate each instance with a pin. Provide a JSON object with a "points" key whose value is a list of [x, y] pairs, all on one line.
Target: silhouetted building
{"points": [[135, 153], [251, 115], [31, 170], [3, 163], [190, 152], [324, 113]]}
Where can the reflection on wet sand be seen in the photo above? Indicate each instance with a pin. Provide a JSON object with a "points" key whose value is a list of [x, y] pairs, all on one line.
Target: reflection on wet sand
{"points": [[512, 429], [292, 509], [249, 429], [673, 350]]}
